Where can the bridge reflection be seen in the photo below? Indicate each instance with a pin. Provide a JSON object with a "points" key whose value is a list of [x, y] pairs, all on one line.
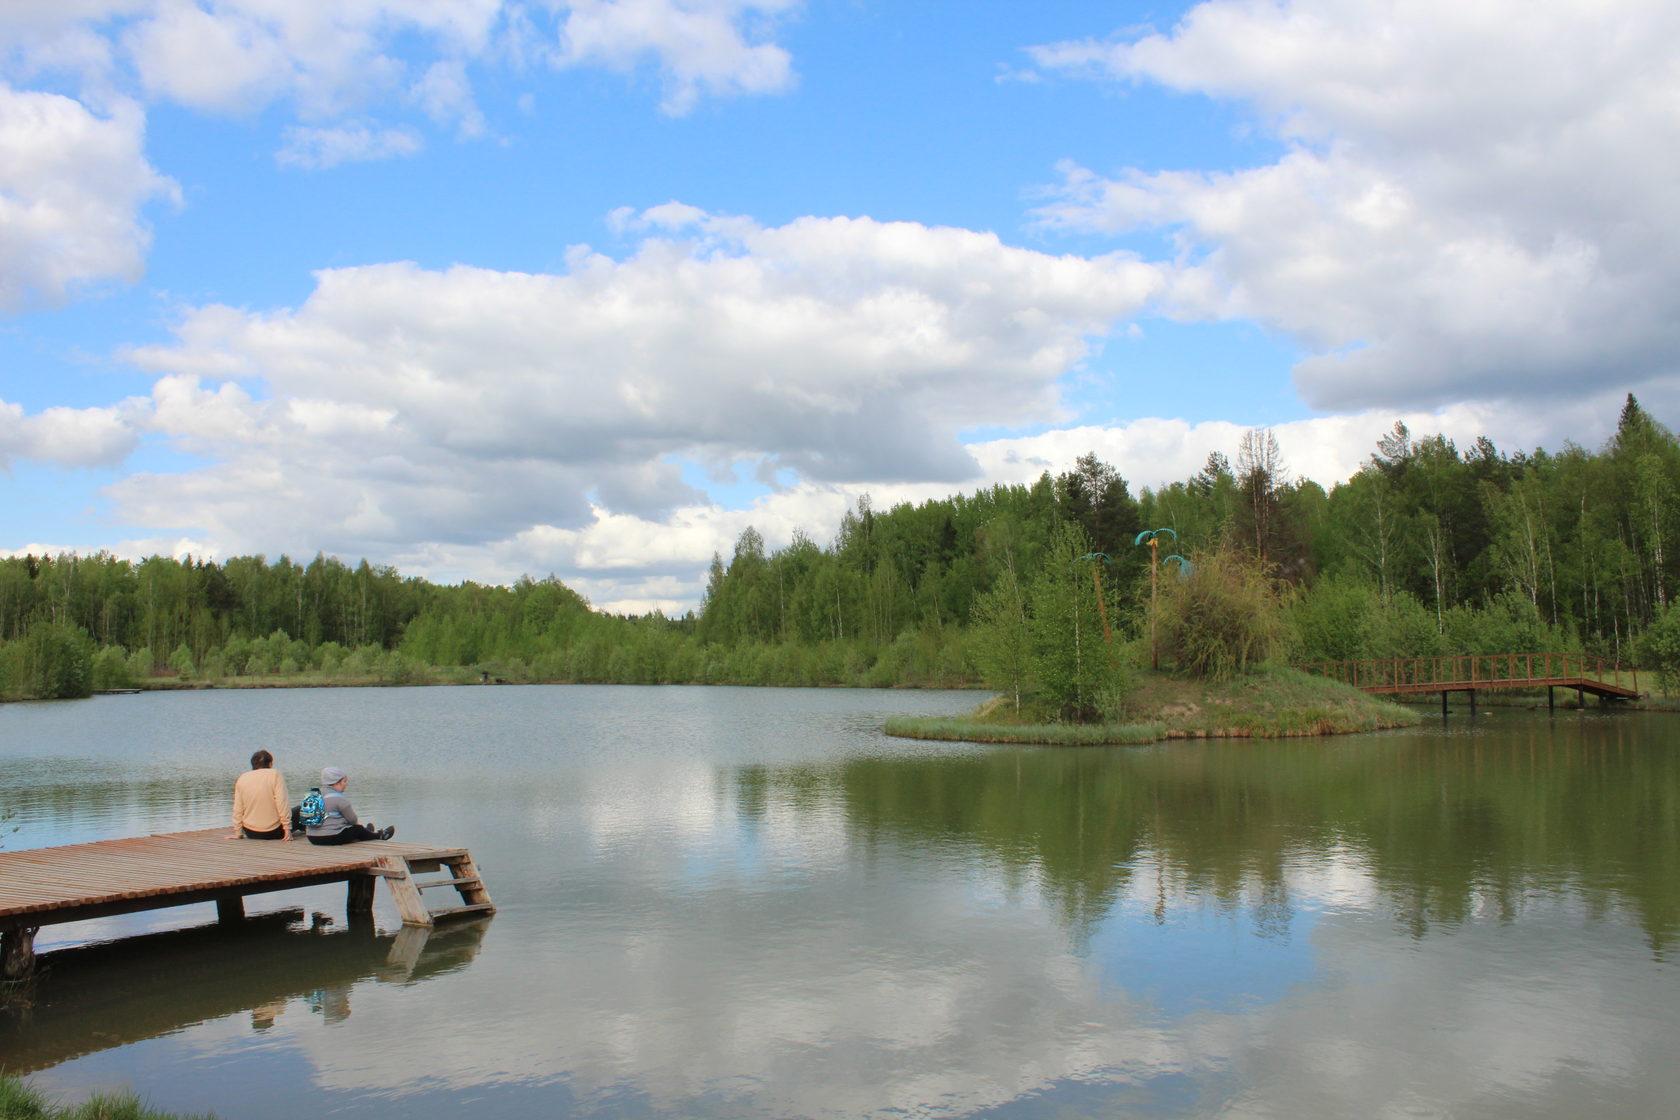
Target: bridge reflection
{"points": [[98, 997]]}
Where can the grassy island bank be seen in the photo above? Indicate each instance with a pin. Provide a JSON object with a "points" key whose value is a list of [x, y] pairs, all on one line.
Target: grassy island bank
{"points": [[1266, 704], [21, 1101]]}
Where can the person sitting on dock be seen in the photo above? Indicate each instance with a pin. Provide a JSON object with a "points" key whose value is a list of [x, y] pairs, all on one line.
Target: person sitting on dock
{"points": [[341, 825], [259, 801]]}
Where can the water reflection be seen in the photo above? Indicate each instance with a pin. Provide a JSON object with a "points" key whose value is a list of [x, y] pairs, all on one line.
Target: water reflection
{"points": [[113, 994], [1434, 830], [741, 904]]}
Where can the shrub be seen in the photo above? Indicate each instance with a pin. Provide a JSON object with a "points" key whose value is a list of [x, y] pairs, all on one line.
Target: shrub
{"points": [[111, 669], [1224, 619], [1659, 648], [57, 663]]}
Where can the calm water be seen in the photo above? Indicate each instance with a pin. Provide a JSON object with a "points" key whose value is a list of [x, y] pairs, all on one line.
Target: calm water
{"points": [[748, 903]]}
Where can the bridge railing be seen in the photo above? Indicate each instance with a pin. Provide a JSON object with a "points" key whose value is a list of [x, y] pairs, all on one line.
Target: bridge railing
{"points": [[1461, 670]]}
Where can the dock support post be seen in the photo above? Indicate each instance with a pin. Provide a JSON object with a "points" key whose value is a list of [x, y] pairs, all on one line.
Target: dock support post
{"points": [[17, 952], [360, 898], [230, 909], [1551, 700], [1443, 703], [1472, 703]]}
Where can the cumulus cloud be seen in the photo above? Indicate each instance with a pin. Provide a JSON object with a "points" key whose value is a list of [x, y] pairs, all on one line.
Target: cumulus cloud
{"points": [[716, 47], [330, 57], [237, 56], [65, 437], [546, 415], [1472, 203], [73, 176], [72, 186]]}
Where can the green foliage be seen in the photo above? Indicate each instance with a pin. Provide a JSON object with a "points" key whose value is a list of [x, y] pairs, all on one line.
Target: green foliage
{"points": [[1403, 627], [1002, 636], [1511, 623], [53, 661], [111, 669], [1223, 620], [1333, 619], [1074, 664], [141, 663], [1659, 648]]}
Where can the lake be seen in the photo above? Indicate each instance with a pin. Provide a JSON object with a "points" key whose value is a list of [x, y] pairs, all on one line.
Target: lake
{"points": [[749, 903]]}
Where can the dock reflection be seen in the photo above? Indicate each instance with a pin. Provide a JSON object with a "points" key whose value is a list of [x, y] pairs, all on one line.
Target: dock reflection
{"points": [[97, 997]]}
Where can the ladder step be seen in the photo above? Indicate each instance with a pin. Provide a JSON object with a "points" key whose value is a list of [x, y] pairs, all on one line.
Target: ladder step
{"points": [[471, 908], [473, 881]]}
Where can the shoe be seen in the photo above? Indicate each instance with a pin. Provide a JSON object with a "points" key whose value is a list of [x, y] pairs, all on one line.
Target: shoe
{"points": [[387, 832]]}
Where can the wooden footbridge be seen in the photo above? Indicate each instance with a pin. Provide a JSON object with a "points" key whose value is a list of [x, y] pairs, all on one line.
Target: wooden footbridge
{"points": [[48, 886], [1472, 673]]}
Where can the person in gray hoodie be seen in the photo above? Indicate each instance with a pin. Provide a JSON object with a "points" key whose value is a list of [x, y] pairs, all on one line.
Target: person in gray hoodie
{"points": [[341, 825]]}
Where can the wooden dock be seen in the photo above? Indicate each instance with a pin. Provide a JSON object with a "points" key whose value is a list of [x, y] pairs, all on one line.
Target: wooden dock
{"points": [[48, 886]]}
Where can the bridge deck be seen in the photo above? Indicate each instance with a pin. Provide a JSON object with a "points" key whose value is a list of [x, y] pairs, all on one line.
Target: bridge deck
{"points": [[1476, 672], [1584, 684]]}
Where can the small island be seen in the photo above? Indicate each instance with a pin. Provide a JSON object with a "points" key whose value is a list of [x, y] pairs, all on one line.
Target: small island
{"points": [[1269, 703], [1049, 649]]}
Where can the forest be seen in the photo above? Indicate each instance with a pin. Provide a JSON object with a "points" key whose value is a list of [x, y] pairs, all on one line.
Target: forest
{"points": [[1429, 548]]}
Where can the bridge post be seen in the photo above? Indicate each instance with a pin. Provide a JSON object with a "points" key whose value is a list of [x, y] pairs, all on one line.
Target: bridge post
{"points": [[17, 952], [1443, 703], [1551, 700], [1472, 703]]}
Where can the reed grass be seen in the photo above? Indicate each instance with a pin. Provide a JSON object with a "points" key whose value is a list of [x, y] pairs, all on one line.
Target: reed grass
{"points": [[22, 1101]]}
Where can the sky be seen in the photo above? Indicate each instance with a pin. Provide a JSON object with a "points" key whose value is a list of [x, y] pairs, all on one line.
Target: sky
{"points": [[489, 288]]}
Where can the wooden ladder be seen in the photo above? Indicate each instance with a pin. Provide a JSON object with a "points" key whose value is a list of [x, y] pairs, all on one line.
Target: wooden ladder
{"points": [[399, 873]]}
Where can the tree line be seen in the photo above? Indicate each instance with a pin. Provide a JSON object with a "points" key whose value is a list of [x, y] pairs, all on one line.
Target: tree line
{"points": [[1427, 549]]}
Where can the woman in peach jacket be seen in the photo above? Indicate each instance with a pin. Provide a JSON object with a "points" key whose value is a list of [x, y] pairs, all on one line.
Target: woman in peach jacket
{"points": [[260, 809]]}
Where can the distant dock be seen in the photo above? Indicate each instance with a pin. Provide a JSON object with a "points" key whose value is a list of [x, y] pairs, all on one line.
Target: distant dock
{"points": [[76, 882]]}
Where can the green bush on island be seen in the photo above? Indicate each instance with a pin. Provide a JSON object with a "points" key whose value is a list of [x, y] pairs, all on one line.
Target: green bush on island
{"points": [[1222, 619]]}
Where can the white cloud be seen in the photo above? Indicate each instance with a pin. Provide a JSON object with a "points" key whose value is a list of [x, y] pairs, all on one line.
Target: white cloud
{"points": [[65, 437], [1473, 204], [446, 95], [73, 176], [336, 57], [72, 186], [429, 417], [702, 47], [238, 55], [318, 148]]}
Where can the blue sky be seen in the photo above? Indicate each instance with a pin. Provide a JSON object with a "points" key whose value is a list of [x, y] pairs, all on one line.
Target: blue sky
{"points": [[488, 287]]}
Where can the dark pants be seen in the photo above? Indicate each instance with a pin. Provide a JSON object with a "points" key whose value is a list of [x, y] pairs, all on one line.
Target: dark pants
{"points": [[350, 834], [252, 834]]}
